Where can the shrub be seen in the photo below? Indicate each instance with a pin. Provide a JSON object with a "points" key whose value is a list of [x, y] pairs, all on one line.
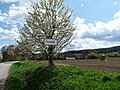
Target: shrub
{"points": [[118, 78], [92, 56], [102, 57], [106, 78]]}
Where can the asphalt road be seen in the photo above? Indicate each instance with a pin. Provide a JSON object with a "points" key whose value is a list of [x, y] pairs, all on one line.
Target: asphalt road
{"points": [[4, 69]]}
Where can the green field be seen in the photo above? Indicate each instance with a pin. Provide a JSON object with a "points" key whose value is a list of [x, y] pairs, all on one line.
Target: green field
{"points": [[29, 75]]}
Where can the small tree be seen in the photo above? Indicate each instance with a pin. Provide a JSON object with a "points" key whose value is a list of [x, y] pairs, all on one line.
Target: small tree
{"points": [[8, 52], [23, 50], [20, 53], [48, 19]]}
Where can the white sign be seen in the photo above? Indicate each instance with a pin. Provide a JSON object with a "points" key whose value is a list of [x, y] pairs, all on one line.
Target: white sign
{"points": [[50, 42]]}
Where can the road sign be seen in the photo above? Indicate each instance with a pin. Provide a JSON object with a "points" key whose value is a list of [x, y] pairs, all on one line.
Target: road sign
{"points": [[50, 42]]}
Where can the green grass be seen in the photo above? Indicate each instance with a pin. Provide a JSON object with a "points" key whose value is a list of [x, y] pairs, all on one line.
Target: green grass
{"points": [[27, 75]]}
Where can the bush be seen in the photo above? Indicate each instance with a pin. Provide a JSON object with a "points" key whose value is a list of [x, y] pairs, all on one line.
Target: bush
{"points": [[118, 77], [106, 78], [102, 57], [92, 56]]}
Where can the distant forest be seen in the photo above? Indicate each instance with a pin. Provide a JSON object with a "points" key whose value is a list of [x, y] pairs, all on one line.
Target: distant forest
{"points": [[101, 50]]}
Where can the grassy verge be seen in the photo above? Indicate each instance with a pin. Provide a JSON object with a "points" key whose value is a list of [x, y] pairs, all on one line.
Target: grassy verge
{"points": [[27, 75]]}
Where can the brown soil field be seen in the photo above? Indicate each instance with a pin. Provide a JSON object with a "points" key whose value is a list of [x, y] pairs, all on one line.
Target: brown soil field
{"points": [[110, 65]]}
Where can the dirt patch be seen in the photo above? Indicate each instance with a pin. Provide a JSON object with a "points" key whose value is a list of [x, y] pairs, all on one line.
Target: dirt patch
{"points": [[110, 65]]}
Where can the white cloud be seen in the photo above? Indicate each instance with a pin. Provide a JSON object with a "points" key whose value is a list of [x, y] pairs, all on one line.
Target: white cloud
{"points": [[115, 3], [87, 35], [26, 2], [13, 19], [2, 18], [100, 31], [17, 14], [117, 15], [98, 35], [12, 34], [8, 1], [82, 5], [88, 43]]}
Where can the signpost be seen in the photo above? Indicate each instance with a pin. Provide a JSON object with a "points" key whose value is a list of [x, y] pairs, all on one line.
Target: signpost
{"points": [[50, 42]]}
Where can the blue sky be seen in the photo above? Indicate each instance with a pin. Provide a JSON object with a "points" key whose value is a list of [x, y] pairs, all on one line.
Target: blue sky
{"points": [[94, 10], [97, 22]]}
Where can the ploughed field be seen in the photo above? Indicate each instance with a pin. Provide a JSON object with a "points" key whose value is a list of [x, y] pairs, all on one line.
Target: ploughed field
{"points": [[110, 65]]}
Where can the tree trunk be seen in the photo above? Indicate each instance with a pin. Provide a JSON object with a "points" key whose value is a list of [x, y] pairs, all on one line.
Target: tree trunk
{"points": [[50, 56]]}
